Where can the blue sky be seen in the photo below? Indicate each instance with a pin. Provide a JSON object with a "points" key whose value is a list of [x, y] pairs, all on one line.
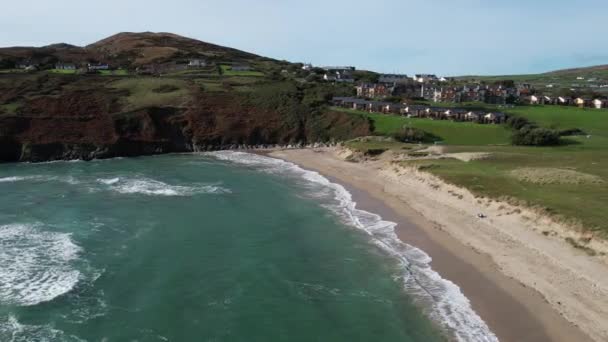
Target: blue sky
{"points": [[447, 37]]}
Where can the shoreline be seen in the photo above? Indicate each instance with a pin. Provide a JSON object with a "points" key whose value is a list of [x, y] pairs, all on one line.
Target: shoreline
{"points": [[512, 310]]}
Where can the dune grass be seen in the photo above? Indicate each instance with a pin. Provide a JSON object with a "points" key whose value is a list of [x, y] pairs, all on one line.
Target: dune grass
{"points": [[506, 174], [448, 132], [144, 92]]}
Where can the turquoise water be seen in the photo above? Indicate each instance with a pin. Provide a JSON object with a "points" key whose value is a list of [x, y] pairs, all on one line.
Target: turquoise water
{"points": [[220, 247]]}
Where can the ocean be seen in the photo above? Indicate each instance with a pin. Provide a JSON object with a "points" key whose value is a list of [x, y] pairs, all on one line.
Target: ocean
{"points": [[223, 246]]}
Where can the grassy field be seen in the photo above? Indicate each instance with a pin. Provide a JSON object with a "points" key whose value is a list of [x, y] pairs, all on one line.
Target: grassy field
{"points": [[118, 72], [449, 132], [63, 71], [148, 92], [227, 71], [592, 121]]}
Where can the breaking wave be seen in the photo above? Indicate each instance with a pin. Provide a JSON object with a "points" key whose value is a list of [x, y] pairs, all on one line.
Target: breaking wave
{"points": [[11, 330], [151, 187], [444, 301], [36, 264]]}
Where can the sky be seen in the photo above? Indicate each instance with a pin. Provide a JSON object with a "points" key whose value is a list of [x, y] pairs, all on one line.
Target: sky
{"points": [[445, 37]]}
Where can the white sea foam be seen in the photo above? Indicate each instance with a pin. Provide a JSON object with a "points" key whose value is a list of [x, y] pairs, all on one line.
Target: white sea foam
{"points": [[40, 178], [36, 264], [11, 330], [446, 304], [151, 187]]}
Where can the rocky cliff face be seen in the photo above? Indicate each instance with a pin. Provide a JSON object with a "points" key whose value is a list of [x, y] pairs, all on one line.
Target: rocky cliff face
{"points": [[62, 118]]}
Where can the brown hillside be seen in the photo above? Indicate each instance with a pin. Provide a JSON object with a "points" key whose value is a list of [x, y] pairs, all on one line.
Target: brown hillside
{"points": [[148, 47]]}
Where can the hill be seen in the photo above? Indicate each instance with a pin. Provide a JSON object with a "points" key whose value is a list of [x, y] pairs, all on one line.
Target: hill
{"points": [[49, 114], [128, 50], [137, 49], [592, 79]]}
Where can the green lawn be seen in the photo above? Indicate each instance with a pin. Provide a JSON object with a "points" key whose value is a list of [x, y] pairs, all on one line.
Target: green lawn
{"points": [[592, 121], [227, 71], [118, 72], [449, 132], [63, 71], [146, 92], [12, 71]]}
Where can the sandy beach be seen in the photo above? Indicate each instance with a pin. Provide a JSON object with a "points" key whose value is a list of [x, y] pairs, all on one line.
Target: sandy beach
{"points": [[525, 285]]}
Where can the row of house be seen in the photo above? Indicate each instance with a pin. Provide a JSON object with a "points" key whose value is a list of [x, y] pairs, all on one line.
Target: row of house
{"points": [[419, 111], [567, 101], [493, 94]]}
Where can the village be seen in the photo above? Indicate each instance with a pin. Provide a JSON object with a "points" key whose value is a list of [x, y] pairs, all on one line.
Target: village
{"points": [[404, 95]]}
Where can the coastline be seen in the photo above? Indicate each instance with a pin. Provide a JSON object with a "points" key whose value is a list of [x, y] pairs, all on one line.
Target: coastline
{"points": [[513, 310]]}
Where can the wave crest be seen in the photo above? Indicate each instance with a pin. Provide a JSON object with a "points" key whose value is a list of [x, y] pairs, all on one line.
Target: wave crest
{"points": [[36, 265], [151, 187]]}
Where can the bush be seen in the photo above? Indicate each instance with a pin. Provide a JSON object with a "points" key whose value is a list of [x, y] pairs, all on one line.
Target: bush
{"points": [[534, 136], [517, 123], [410, 134]]}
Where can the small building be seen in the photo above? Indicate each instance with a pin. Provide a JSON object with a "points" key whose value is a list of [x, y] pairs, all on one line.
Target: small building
{"points": [[473, 116], [341, 69], [598, 104], [98, 66], [65, 66], [197, 63], [582, 102], [424, 78], [534, 100], [564, 101], [26, 65], [374, 90], [393, 79], [329, 78], [494, 117], [307, 67]]}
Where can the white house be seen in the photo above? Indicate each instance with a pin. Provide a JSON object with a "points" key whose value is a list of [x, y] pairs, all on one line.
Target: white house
{"points": [[424, 78], [534, 99], [597, 103], [197, 63]]}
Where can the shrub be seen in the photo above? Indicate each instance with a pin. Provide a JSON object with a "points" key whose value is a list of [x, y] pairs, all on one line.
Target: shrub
{"points": [[373, 152], [517, 123], [534, 136], [410, 134]]}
